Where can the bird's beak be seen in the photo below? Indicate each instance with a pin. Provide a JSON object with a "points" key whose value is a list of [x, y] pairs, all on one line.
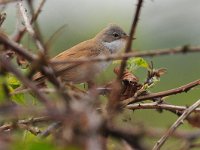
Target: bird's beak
{"points": [[126, 37]]}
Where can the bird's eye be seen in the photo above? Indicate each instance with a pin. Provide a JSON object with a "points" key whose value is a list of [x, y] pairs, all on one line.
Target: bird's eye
{"points": [[115, 34]]}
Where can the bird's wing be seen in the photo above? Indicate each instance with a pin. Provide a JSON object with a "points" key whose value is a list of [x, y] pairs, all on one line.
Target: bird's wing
{"points": [[84, 49]]}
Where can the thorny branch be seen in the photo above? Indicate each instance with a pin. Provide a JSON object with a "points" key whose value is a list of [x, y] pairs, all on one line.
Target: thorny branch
{"points": [[156, 105], [184, 88], [175, 125]]}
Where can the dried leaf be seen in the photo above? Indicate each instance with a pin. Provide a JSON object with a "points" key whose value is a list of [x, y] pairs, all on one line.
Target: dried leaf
{"points": [[130, 83]]}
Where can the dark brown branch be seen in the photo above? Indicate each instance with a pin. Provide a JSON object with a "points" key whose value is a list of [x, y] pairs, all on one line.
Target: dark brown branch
{"points": [[131, 35], [15, 47], [131, 137], [30, 57], [184, 88]]}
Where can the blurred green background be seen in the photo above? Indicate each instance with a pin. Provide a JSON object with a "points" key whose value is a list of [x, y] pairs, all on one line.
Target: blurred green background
{"points": [[162, 24]]}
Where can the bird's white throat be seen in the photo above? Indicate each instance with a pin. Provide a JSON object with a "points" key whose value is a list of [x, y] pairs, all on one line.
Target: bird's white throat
{"points": [[115, 46]]}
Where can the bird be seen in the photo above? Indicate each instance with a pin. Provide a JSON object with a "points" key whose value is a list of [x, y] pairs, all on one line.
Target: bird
{"points": [[111, 40]]}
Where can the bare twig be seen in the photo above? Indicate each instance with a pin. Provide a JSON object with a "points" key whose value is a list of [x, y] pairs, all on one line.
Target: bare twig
{"points": [[156, 105], [26, 124], [184, 88], [2, 18], [131, 137], [3, 2], [175, 125], [34, 120], [29, 28], [51, 128], [18, 36], [17, 48]]}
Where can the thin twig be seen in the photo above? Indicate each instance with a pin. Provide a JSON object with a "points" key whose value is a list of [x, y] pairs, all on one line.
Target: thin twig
{"points": [[3, 2], [18, 36], [29, 27], [175, 125], [2, 18], [131, 137], [183, 88], [156, 105], [26, 124], [51, 128], [17, 48]]}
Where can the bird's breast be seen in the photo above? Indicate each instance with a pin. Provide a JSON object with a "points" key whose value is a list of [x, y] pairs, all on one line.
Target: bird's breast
{"points": [[115, 46]]}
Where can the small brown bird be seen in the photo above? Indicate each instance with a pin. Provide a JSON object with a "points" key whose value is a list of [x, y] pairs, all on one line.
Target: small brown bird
{"points": [[110, 40]]}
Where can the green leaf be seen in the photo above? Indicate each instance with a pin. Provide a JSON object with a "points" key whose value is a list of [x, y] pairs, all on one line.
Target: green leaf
{"points": [[117, 61], [135, 63], [13, 81], [2, 95]]}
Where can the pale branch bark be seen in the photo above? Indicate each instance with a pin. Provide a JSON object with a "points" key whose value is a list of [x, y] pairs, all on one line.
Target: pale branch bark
{"points": [[26, 125], [38, 34], [19, 34], [35, 120], [148, 53], [2, 18], [3, 2], [131, 35], [184, 88], [30, 29], [156, 105], [175, 125]]}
